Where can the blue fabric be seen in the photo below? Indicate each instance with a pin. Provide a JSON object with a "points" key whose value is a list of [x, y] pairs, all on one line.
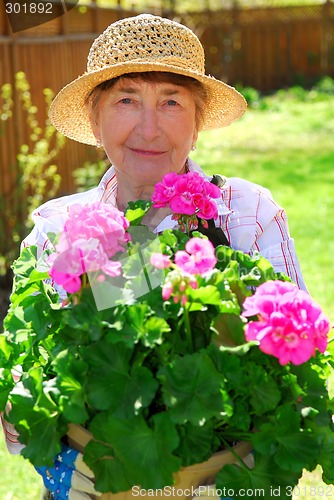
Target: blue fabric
{"points": [[58, 478]]}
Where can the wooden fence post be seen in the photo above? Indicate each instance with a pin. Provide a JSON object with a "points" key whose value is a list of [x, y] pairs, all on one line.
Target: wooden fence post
{"points": [[326, 38], [235, 43]]}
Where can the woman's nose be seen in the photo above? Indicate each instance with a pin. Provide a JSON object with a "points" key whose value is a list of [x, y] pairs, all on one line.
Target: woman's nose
{"points": [[148, 124]]}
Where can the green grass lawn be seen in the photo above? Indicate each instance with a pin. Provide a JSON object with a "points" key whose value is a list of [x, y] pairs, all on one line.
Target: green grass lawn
{"points": [[289, 148], [19, 480]]}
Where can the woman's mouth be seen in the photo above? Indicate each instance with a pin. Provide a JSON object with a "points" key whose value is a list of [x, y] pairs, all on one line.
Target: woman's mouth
{"points": [[147, 152]]}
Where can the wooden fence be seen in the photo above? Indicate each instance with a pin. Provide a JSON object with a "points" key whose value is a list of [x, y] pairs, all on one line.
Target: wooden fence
{"points": [[264, 48]]}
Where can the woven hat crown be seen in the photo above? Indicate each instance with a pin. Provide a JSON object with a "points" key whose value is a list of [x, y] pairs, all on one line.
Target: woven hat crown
{"points": [[140, 44], [147, 38]]}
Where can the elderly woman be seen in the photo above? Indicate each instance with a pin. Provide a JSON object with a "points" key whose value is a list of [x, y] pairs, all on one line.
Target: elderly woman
{"points": [[144, 99]]}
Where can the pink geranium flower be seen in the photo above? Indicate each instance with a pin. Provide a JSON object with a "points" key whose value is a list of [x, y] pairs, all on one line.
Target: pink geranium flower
{"points": [[182, 202], [97, 220], [164, 190], [70, 282], [207, 209], [160, 261], [211, 190], [83, 257], [176, 286], [187, 195], [290, 325], [92, 234], [199, 257]]}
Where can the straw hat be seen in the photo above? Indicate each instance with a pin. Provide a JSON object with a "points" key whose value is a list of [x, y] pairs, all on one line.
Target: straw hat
{"points": [[136, 44]]}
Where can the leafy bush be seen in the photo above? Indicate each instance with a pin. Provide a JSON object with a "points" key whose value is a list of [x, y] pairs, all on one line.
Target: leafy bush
{"points": [[325, 86], [36, 174], [252, 96], [89, 175], [283, 98]]}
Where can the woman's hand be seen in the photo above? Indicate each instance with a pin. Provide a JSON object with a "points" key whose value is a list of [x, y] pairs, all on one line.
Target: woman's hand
{"points": [[69, 478], [154, 216]]}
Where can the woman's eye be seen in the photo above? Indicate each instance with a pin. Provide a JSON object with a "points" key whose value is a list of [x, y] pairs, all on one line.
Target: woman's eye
{"points": [[171, 102], [126, 100]]}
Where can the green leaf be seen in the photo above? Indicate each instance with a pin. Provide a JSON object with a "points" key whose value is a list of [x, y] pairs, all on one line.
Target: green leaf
{"points": [[265, 394], [20, 295], [292, 447], [84, 321], [241, 418], [169, 238], [192, 389], [31, 312], [137, 210], [230, 329], [36, 417], [53, 237], [38, 315], [266, 480], [138, 324], [154, 329], [141, 277], [113, 384], [205, 295], [136, 315], [326, 458], [195, 443], [142, 455], [15, 321], [228, 364], [126, 335], [24, 268], [108, 472], [6, 385], [252, 270], [71, 376], [294, 452], [6, 348], [314, 385]]}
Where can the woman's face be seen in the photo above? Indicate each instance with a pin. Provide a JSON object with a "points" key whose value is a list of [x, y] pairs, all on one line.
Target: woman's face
{"points": [[147, 128]]}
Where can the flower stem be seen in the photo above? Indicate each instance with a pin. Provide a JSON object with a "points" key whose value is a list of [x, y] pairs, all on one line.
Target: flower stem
{"points": [[146, 275], [85, 281], [187, 226], [238, 459], [188, 327]]}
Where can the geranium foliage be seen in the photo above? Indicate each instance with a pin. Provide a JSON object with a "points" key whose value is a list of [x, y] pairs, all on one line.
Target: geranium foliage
{"points": [[162, 373]]}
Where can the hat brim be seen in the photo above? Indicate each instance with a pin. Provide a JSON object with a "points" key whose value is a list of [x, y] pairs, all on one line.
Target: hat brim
{"points": [[69, 114]]}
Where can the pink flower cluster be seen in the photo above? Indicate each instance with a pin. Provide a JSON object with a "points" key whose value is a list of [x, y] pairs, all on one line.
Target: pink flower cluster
{"points": [[291, 325], [176, 286], [92, 234], [187, 194], [199, 258]]}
